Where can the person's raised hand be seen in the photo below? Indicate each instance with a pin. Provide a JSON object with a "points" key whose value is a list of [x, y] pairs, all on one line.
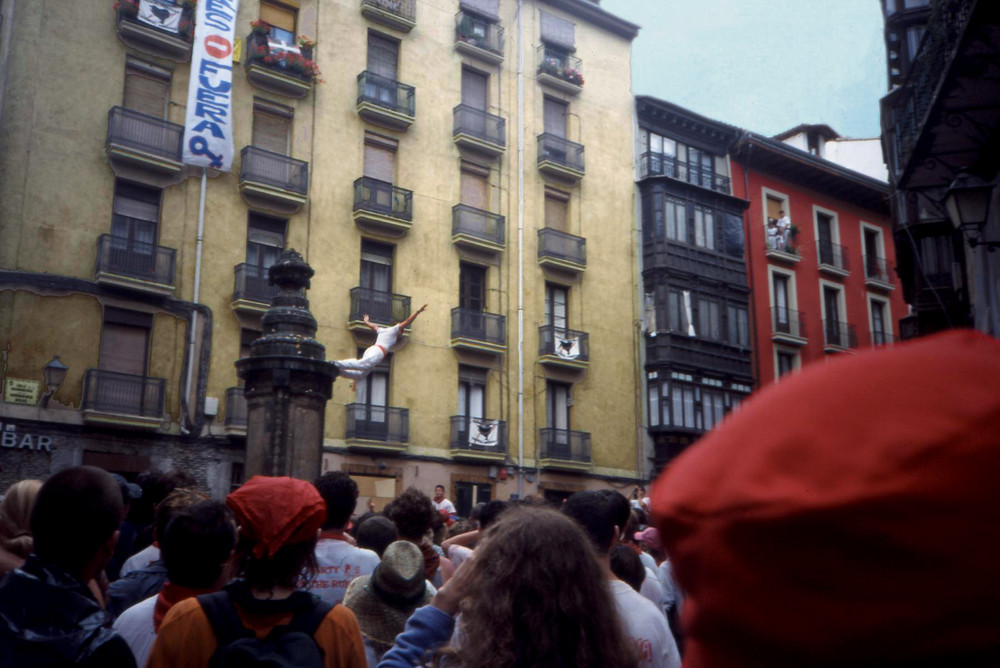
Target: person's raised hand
{"points": [[451, 593]]}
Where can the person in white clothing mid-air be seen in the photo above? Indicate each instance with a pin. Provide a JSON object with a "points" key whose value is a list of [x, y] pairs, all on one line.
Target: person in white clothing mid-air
{"points": [[386, 339]]}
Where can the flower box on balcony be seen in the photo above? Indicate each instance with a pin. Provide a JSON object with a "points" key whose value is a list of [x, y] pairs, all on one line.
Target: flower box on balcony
{"points": [[280, 68]]}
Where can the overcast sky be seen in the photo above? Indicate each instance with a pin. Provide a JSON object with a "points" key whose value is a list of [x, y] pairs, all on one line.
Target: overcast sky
{"points": [[764, 65]]}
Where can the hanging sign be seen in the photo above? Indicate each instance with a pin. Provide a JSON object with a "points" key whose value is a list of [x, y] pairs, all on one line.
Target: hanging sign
{"points": [[568, 349], [162, 14], [485, 433], [208, 127]]}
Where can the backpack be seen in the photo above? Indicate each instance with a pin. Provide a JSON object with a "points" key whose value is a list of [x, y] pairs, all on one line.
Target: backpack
{"points": [[287, 646]]}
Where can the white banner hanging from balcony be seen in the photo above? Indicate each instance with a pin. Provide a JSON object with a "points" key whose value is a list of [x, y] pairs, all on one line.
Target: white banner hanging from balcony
{"points": [[208, 128], [162, 14], [567, 348], [484, 433]]}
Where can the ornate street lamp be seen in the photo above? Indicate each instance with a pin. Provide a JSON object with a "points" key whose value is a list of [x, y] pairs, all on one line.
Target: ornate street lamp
{"points": [[54, 373], [968, 206]]}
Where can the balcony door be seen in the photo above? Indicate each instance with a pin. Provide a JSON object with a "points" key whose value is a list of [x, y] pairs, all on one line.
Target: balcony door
{"points": [[824, 235], [554, 114], [701, 167], [380, 165], [265, 242], [134, 223], [475, 86], [282, 21], [782, 317], [471, 399], [556, 297], [383, 61], [472, 299], [879, 333], [831, 316], [558, 419], [376, 279], [272, 127], [124, 355], [873, 254], [371, 403]]}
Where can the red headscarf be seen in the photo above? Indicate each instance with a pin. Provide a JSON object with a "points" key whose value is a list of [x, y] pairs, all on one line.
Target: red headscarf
{"points": [[847, 515], [274, 512]]}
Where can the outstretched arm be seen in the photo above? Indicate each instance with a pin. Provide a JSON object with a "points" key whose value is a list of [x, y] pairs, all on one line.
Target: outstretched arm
{"points": [[413, 316], [369, 323]]}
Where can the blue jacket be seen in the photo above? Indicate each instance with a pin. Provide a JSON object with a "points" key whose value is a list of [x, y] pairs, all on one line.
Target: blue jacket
{"points": [[427, 629]]}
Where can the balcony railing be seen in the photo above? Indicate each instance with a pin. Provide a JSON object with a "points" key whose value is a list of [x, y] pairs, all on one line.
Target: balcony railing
{"points": [[661, 164], [479, 33], [478, 326], [122, 393], [472, 222], [128, 10], [383, 198], [838, 334], [562, 246], [565, 344], [274, 169], [882, 338], [832, 255], [399, 14], [382, 307], [875, 269], [480, 125], [236, 408], [386, 93], [487, 436], [561, 151], [142, 132], [168, 36], [560, 65], [122, 256], [564, 445], [288, 61], [787, 321], [252, 285], [378, 423]]}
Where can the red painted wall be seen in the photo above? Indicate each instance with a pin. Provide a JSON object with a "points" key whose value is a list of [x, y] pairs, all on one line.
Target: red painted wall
{"points": [[807, 275]]}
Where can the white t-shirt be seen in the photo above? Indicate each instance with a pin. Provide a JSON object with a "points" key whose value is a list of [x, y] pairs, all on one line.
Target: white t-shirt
{"points": [[135, 625], [444, 504], [653, 591], [457, 554], [387, 337], [646, 627], [140, 560], [339, 563]]}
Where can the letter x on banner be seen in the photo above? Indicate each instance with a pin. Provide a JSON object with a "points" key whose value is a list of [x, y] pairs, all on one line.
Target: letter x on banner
{"points": [[208, 128]]}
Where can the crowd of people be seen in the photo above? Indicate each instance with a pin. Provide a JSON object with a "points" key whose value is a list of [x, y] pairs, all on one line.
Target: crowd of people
{"points": [[797, 536]]}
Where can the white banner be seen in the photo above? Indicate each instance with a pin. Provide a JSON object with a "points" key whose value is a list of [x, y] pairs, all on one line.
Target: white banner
{"points": [[485, 433], [568, 349], [162, 14], [208, 128]]}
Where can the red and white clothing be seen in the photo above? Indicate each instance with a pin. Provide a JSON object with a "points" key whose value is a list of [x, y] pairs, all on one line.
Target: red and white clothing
{"points": [[339, 563], [386, 340], [646, 627]]}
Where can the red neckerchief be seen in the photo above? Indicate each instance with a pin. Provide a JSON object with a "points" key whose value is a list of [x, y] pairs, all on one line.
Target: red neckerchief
{"points": [[171, 595], [333, 534]]}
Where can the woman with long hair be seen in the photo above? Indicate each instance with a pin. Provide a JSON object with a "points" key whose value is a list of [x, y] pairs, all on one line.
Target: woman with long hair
{"points": [[533, 596], [15, 523]]}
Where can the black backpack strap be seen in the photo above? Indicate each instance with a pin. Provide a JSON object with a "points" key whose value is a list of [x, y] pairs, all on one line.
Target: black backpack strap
{"points": [[308, 619], [221, 614]]}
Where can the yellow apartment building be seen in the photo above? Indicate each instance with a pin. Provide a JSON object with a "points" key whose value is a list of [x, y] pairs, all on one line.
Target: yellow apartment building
{"points": [[474, 155]]}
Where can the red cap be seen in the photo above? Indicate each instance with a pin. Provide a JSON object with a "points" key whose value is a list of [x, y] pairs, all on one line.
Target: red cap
{"points": [[274, 512], [847, 515]]}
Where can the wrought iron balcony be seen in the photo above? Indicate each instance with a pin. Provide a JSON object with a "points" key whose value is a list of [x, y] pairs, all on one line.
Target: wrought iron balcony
{"points": [[478, 439], [367, 422], [559, 70], [564, 449], [832, 258], [236, 409], [561, 251], [661, 164], [477, 229], [382, 208], [282, 69], [560, 158], [876, 273], [398, 14], [272, 180], [383, 308], [385, 101], [562, 347], [479, 37], [136, 265], [479, 131], [251, 291], [157, 37], [123, 399], [788, 326], [144, 141], [839, 335], [676, 348], [478, 331]]}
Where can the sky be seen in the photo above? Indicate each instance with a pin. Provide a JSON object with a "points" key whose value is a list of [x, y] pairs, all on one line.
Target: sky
{"points": [[763, 65]]}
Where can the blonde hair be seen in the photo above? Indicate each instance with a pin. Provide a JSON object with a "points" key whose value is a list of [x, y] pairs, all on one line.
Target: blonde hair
{"points": [[15, 516]]}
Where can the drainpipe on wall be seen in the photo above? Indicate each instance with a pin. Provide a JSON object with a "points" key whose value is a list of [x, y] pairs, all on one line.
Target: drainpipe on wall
{"points": [[520, 249], [193, 327]]}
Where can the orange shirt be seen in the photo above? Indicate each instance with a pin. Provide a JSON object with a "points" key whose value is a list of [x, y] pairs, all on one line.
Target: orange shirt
{"points": [[186, 638]]}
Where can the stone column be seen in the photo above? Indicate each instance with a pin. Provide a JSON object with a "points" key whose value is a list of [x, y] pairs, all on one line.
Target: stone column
{"points": [[287, 381]]}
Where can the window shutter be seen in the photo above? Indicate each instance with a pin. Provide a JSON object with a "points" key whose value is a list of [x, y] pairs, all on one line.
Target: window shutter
{"points": [[557, 31], [555, 212], [278, 16], [474, 89], [383, 54], [380, 163], [554, 113], [271, 131], [474, 190], [146, 93], [123, 348], [488, 8]]}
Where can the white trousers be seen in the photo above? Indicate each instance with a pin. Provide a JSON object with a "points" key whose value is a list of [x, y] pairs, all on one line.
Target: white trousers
{"points": [[356, 369]]}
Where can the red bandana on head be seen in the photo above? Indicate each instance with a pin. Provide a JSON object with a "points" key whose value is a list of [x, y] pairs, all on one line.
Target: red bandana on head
{"points": [[274, 512]]}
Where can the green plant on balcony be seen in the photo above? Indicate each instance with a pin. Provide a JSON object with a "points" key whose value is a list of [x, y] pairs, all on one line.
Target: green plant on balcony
{"points": [[295, 63], [573, 76], [557, 68], [260, 27]]}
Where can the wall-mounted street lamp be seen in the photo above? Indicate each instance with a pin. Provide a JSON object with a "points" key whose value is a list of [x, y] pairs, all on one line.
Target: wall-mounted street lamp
{"points": [[968, 206], [54, 373]]}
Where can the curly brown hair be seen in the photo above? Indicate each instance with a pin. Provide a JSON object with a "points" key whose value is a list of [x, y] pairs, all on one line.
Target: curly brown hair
{"points": [[539, 598]]}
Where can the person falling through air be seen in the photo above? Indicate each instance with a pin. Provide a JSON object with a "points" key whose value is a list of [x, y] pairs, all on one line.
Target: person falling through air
{"points": [[386, 339]]}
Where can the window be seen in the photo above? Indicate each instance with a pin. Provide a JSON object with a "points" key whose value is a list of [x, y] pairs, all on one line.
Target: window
{"points": [[372, 401], [709, 322], [125, 342], [836, 332], [825, 234], [781, 304], [474, 186], [272, 126], [675, 216], [558, 417], [785, 362], [471, 287], [880, 335], [679, 316], [383, 59], [236, 475], [468, 494], [265, 241], [556, 204], [701, 167], [712, 408], [682, 403], [738, 324], [936, 258], [556, 297], [704, 227], [474, 88], [774, 208], [282, 21], [554, 114], [663, 155], [376, 267], [380, 160], [147, 88], [134, 228], [471, 392], [557, 32]]}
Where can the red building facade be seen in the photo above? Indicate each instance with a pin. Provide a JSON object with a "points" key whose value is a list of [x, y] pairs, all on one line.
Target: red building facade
{"points": [[822, 279]]}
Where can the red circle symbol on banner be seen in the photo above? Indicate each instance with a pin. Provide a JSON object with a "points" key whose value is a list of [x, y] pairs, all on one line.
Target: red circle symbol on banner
{"points": [[218, 46]]}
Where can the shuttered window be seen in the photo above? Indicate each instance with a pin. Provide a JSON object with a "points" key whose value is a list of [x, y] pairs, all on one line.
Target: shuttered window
{"points": [[554, 112], [272, 127], [147, 88], [488, 8], [557, 31], [475, 189], [380, 158], [265, 240], [282, 21], [383, 54], [125, 341], [474, 86], [556, 204]]}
